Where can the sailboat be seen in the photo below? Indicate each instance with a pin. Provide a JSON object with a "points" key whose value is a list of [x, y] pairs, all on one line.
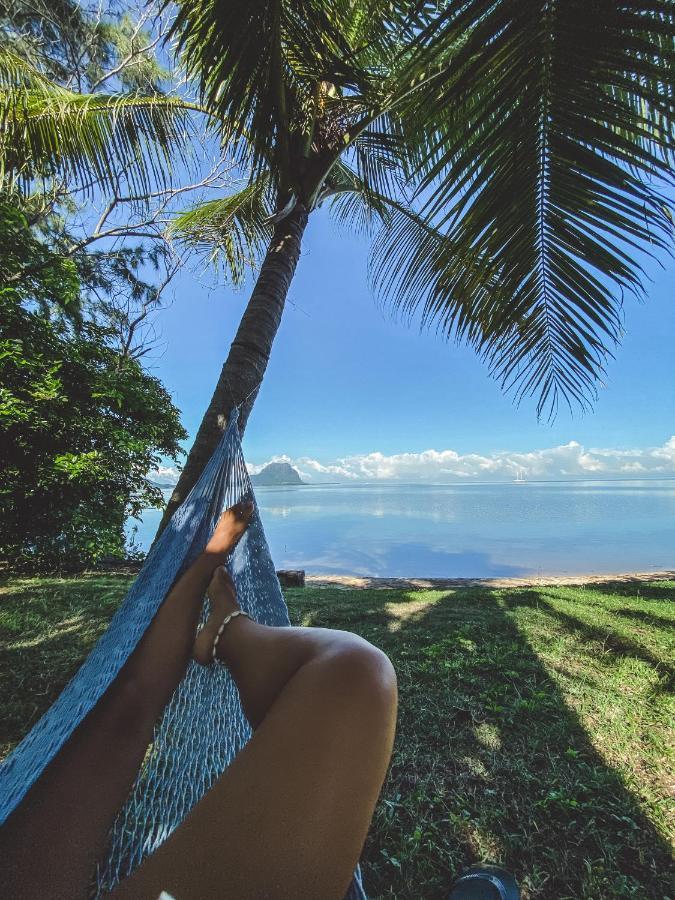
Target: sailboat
{"points": [[520, 477]]}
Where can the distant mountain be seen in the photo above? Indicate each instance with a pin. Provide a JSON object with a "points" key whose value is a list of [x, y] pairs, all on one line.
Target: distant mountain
{"points": [[277, 473]]}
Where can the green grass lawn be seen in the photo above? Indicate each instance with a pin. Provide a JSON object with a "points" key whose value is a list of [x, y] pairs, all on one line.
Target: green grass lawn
{"points": [[535, 726]]}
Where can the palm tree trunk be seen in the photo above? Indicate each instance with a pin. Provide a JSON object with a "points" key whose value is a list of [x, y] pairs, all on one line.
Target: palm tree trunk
{"points": [[245, 366]]}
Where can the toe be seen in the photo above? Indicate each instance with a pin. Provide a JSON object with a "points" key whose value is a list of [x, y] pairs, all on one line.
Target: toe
{"points": [[244, 509]]}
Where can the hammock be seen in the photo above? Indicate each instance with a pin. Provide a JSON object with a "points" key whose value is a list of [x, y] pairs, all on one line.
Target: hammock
{"points": [[203, 726]]}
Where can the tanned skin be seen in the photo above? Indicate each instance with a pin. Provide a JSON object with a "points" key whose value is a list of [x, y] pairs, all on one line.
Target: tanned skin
{"points": [[289, 816]]}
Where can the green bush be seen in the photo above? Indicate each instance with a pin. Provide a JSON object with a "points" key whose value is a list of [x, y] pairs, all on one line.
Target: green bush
{"points": [[80, 426]]}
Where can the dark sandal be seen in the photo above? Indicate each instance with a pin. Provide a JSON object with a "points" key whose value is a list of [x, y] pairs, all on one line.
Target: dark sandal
{"points": [[484, 883]]}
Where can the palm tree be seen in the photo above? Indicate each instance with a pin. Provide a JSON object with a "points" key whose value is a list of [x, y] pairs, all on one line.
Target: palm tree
{"points": [[508, 156], [49, 132]]}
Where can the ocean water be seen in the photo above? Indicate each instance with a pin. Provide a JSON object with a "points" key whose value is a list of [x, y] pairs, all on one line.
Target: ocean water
{"points": [[467, 530]]}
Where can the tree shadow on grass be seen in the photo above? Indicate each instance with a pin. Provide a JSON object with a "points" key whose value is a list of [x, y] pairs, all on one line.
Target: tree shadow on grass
{"points": [[47, 628], [647, 618], [491, 762], [617, 644], [636, 589], [655, 597]]}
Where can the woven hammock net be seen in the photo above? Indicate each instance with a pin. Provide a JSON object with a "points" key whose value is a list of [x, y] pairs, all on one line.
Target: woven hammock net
{"points": [[203, 726]]}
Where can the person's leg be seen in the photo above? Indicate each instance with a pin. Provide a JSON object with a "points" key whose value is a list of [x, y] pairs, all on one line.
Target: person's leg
{"points": [[289, 817], [50, 845]]}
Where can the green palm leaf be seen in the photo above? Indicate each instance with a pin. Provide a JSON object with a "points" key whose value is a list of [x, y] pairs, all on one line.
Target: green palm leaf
{"points": [[544, 137], [49, 131], [407, 264], [232, 231], [258, 63], [513, 154]]}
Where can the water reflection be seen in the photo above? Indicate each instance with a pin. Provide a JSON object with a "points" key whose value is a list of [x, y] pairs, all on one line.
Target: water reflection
{"points": [[481, 530]]}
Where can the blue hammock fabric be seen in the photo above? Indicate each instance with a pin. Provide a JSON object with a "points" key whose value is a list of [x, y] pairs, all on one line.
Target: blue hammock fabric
{"points": [[203, 726]]}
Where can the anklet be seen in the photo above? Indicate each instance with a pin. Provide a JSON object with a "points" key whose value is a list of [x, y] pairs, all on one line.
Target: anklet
{"points": [[237, 612]]}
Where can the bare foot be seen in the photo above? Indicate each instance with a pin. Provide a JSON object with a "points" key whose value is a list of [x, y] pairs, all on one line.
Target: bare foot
{"points": [[231, 525], [258, 684], [223, 597]]}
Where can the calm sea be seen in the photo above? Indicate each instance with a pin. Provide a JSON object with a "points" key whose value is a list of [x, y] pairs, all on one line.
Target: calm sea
{"points": [[467, 530]]}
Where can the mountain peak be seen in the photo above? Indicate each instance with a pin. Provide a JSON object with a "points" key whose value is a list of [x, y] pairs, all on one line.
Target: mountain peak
{"points": [[276, 473]]}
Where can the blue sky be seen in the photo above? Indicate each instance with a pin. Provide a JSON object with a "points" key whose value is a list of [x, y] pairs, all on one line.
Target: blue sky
{"points": [[348, 381]]}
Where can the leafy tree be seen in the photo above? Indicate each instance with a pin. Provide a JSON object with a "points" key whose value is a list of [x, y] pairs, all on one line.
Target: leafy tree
{"points": [[80, 425], [85, 118], [82, 46], [66, 142], [52, 133], [50, 280], [509, 157]]}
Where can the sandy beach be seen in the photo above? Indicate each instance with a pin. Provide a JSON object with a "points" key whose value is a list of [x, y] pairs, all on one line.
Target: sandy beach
{"points": [[352, 582]]}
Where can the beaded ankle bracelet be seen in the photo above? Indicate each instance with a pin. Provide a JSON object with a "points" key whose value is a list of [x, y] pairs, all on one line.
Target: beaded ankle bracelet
{"points": [[237, 612]]}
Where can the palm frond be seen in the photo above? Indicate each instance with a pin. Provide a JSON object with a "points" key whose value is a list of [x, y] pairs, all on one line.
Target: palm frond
{"points": [[408, 263], [245, 56], [258, 64], [231, 231], [545, 136], [354, 203], [48, 131], [16, 72], [381, 156]]}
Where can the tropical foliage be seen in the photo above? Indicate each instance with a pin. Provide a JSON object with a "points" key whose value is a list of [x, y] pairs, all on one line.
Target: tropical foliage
{"points": [[86, 165], [513, 156], [83, 45], [79, 432], [80, 424], [57, 122], [48, 131]]}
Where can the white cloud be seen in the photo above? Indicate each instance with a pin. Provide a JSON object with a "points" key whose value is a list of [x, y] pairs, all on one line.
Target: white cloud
{"points": [[570, 460], [164, 475]]}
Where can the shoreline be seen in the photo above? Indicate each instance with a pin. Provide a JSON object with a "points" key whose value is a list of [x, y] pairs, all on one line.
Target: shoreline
{"points": [[368, 582], [365, 582]]}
